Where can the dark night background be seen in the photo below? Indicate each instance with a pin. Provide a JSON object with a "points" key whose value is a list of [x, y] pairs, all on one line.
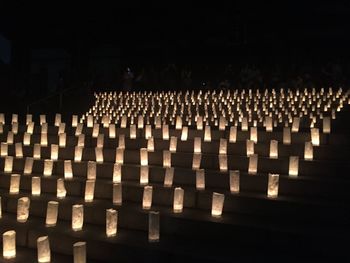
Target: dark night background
{"points": [[79, 50]]}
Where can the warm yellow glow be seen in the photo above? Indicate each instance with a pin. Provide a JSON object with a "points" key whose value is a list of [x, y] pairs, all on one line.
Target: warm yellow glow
{"points": [[295, 124], [89, 190], [197, 148], [173, 144], [14, 184], [36, 186], [68, 170], [144, 175], [223, 162], [28, 165], [178, 200], [23, 204], [61, 189], [234, 181], [26, 139], [250, 147], [217, 204], [111, 222], [79, 252], [147, 197], [233, 134], [77, 217], [184, 133], [9, 244], [223, 146], [133, 131], [326, 125], [200, 179], [287, 139], [272, 187], [165, 131], [315, 136], [308, 151], [117, 173], [19, 150], [8, 167], [196, 162], [169, 176], [274, 149], [207, 134], [51, 213], [253, 164], [117, 194], [293, 165], [4, 149], [43, 247], [62, 138], [119, 156], [166, 159], [99, 154], [148, 131], [254, 134], [144, 156]]}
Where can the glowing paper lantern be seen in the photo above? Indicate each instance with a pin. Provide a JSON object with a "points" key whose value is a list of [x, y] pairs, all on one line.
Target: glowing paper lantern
{"points": [[58, 119], [19, 150], [26, 139], [74, 120], [117, 194], [4, 149], [169, 176], [79, 129], [178, 200], [2, 118], [123, 122], [223, 162], [100, 140], [37, 151], [222, 123], [244, 124], [30, 128], [254, 134], [326, 125], [217, 204], [95, 130], [184, 133], [99, 154], [199, 123], [91, 170], [272, 188], [148, 131], [153, 226], [132, 131], [81, 140], [233, 134], [293, 166], [14, 183], [14, 118], [287, 139], [61, 189], [111, 131], [117, 173], [274, 149], [44, 127], [150, 144], [14, 128], [68, 170], [23, 204], [165, 132], [77, 217], [36, 186], [315, 136], [196, 162], [207, 134], [62, 138], [197, 147], [48, 167], [61, 128], [43, 247], [253, 164], [140, 122], [78, 153], [173, 144], [144, 171], [308, 151], [90, 121], [54, 153], [250, 147], [158, 122], [121, 141], [223, 146], [8, 167], [144, 156], [147, 197], [43, 139], [200, 179], [295, 124], [234, 181], [89, 190], [268, 124], [166, 159], [9, 244], [111, 222], [119, 156], [178, 125], [51, 213], [79, 252], [28, 165], [29, 118]]}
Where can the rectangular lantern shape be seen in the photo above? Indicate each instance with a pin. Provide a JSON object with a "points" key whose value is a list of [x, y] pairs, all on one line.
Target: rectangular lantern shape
{"points": [[14, 128], [58, 119], [178, 125], [234, 181], [173, 144], [10, 137], [14, 118], [254, 134], [23, 204], [184, 133], [293, 166], [158, 122], [79, 252], [169, 177], [207, 134], [95, 130], [196, 162], [28, 165], [29, 118], [77, 217], [37, 151], [148, 132], [54, 152], [217, 204], [105, 121], [315, 136], [165, 132], [144, 171], [74, 120], [272, 187], [8, 167], [166, 159], [2, 118], [308, 151], [4, 149], [326, 125], [253, 164], [43, 247], [44, 127], [147, 197], [90, 121], [140, 122], [287, 139], [223, 162], [197, 147], [61, 128], [119, 156], [124, 122], [30, 128], [91, 170], [68, 170], [153, 226], [79, 129], [233, 134], [78, 153], [121, 141], [143, 156], [111, 222], [61, 189], [268, 124], [199, 123], [200, 179], [14, 183], [295, 124], [19, 150], [26, 139], [117, 194], [9, 244], [274, 149], [43, 139], [81, 140], [250, 147], [51, 213], [222, 123], [36, 186], [89, 190], [62, 138], [99, 154], [132, 131], [244, 124], [178, 200], [223, 146], [48, 167], [111, 131], [150, 144], [117, 173]]}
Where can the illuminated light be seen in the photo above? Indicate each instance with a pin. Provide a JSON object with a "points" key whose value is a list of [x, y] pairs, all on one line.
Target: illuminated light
{"points": [[223, 146], [308, 151], [48, 167], [111, 131], [28, 165], [274, 149], [178, 200], [268, 124], [8, 167], [23, 204], [90, 121], [68, 170], [79, 129], [173, 144], [197, 147], [165, 131], [124, 122], [117, 173], [244, 124], [43, 247], [61, 128], [91, 170], [153, 226], [315, 136], [89, 190], [26, 139], [58, 119], [254, 134], [111, 222], [9, 244], [81, 140], [178, 125], [119, 156], [60, 189], [36, 186], [14, 128], [158, 122], [2, 118], [77, 217], [295, 124], [272, 187], [54, 152], [42, 119], [222, 123], [166, 159], [250, 147], [117, 194], [217, 204], [78, 153], [144, 156], [74, 120], [140, 122], [62, 138], [121, 141], [147, 197], [144, 171], [148, 132], [207, 134], [234, 181], [169, 177], [132, 131], [100, 140], [150, 144], [95, 130], [196, 162], [293, 166], [223, 162], [44, 127], [14, 183], [200, 179], [29, 118], [37, 151], [19, 150], [51, 213], [4, 149], [99, 154], [79, 252], [287, 138], [184, 133], [233, 134], [253, 164]]}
